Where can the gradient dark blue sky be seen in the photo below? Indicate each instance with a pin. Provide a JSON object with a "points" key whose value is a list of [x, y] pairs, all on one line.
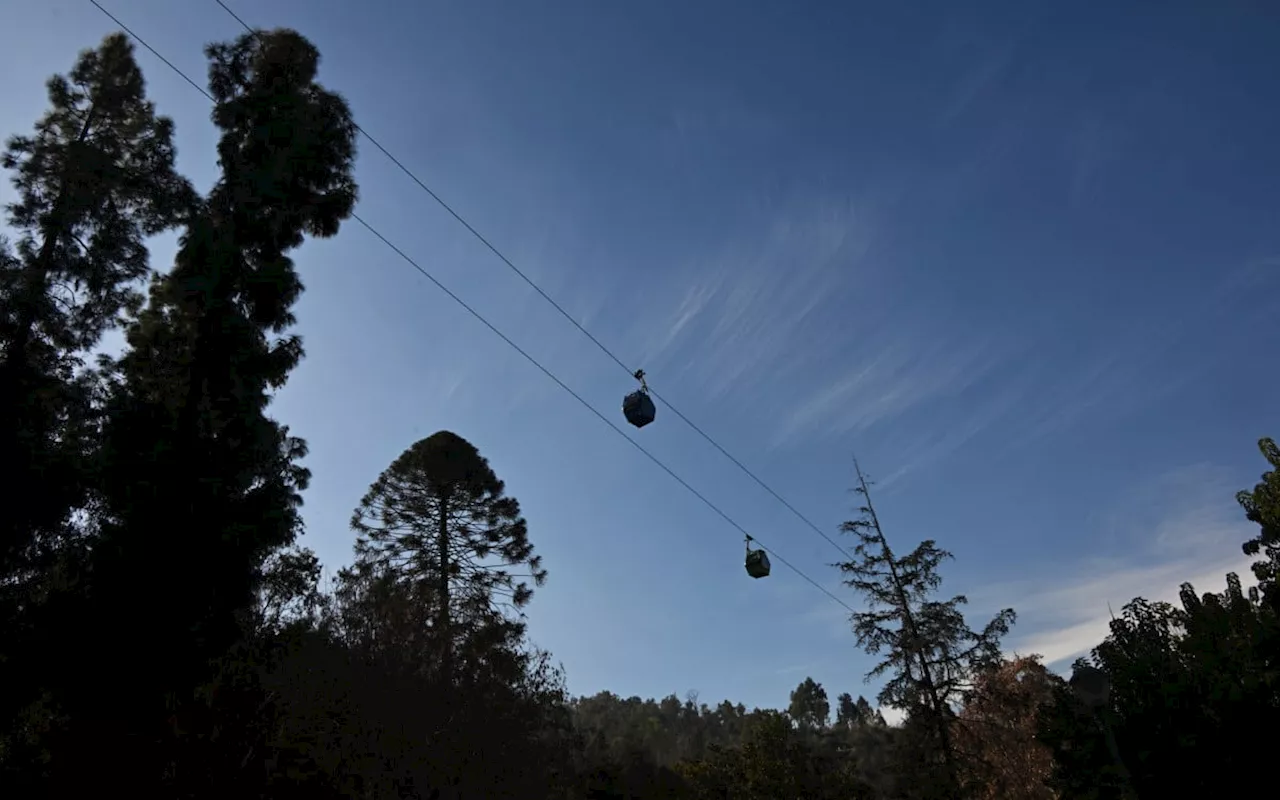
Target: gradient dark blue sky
{"points": [[1021, 257]]}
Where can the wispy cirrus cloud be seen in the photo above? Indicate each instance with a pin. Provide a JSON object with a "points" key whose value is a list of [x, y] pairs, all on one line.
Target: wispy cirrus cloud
{"points": [[977, 79], [800, 309], [892, 374], [702, 115], [1090, 143], [801, 312], [732, 319], [1034, 392]]}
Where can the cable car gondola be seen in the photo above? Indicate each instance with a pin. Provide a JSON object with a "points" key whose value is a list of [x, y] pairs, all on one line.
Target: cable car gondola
{"points": [[638, 406], [757, 562]]}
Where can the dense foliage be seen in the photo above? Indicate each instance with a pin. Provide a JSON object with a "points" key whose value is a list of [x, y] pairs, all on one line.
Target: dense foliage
{"points": [[162, 634]]}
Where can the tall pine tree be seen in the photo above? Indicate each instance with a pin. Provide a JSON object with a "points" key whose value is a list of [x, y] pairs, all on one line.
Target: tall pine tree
{"points": [[200, 487], [928, 651], [200, 476], [95, 178]]}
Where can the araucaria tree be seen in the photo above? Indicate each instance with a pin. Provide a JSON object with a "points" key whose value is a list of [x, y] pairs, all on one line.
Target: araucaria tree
{"points": [[437, 523], [928, 651]]}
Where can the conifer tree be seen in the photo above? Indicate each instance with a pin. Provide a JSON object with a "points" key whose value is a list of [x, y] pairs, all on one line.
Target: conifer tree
{"points": [[847, 712], [928, 651], [199, 486], [95, 178], [199, 476], [438, 522], [809, 706]]}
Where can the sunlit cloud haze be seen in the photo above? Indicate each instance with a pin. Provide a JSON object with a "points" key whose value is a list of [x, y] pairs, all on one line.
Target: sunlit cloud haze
{"points": [[1182, 527]]}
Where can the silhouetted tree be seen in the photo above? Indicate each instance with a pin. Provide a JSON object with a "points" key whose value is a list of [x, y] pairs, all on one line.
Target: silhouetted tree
{"points": [[199, 486], [809, 706], [1262, 506], [512, 705], [868, 714], [438, 521], [289, 592], [1187, 688], [851, 713], [847, 712], [94, 180], [188, 435], [433, 598], [929, 650], [1083, 767]]}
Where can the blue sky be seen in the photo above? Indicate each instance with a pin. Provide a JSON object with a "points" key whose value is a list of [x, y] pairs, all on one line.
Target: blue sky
{"points": [[1022, 258]]}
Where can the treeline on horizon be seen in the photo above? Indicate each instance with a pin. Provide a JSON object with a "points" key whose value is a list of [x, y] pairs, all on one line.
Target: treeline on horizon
{"points": [[163, 633]]}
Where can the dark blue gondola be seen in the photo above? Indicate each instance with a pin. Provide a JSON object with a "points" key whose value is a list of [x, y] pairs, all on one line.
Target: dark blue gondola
{"points": [[638, 406]]}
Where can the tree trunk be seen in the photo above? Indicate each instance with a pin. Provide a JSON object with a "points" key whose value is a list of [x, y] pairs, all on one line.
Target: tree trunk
{"points": [[444, 623]]}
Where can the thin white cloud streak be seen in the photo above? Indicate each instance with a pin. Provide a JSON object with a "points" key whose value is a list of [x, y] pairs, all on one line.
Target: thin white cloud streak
{"points": [[1115, 379], [1089, 145], [915, 454], [982, 76], [703, 116], [733, 320], [784, 306], [1037, 398], [896, 376], [790, 302]]}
